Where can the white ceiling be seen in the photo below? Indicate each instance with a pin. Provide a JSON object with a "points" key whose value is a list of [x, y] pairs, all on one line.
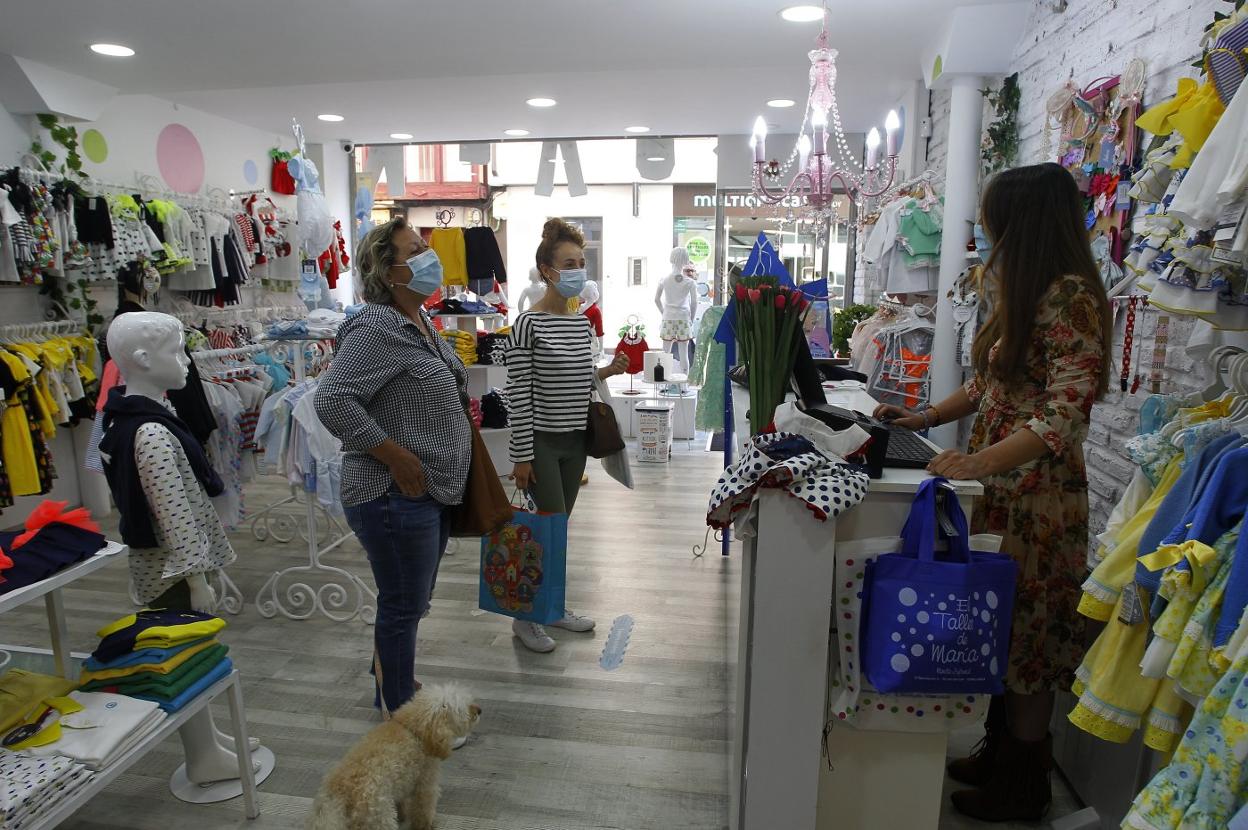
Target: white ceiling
{"points": [[462, 69]]}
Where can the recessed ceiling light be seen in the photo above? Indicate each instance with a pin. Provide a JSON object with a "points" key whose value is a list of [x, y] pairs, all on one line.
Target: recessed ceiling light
{"points": [[329, 116], [656, 158], [401, 136], [802, 14], [781, 103], [541, 102], [516, 132], [638, 129], [113, 50]]}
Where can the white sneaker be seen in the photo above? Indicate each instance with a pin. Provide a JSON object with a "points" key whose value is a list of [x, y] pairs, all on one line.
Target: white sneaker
{"points": [[574, 622], [459, 742], [533, 636]]}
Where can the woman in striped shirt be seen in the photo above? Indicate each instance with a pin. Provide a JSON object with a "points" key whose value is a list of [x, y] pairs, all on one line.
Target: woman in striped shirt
{"points": [[550, 371]]}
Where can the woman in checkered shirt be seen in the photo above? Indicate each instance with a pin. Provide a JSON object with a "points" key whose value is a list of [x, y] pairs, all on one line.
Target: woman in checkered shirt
{"points": [[396, 396]]}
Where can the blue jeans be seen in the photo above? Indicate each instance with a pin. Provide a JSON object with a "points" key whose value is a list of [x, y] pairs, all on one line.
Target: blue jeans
{"points": [[404, 538]]}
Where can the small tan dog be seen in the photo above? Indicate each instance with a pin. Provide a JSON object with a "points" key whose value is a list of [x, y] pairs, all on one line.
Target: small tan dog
{"points": [[389, 780]]}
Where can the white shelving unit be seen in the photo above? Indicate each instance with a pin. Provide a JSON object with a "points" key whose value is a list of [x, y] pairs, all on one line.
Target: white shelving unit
{"points": [[50, 590]]}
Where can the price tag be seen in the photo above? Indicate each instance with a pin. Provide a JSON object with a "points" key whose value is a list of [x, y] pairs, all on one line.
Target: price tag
{"points": [[1131, 611]]}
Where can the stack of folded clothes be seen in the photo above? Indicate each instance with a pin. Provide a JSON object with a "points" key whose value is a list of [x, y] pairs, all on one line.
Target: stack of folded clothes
{"points": [[24, 696], [168, 657], [495, 413], [464, 343], [93, 728], [490, 346], [30, 787], [54, 538]]}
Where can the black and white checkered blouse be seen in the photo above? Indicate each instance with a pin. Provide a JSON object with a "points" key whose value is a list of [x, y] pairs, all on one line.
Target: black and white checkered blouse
{"points": [[388, 380]]}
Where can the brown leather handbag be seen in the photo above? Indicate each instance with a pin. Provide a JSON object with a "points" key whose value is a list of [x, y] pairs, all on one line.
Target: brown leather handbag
{"points": [[602, 431], [485, 507]]}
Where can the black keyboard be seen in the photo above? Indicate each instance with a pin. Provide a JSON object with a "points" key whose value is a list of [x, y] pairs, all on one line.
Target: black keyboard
{"points": [[906, 449], [892, 446]]}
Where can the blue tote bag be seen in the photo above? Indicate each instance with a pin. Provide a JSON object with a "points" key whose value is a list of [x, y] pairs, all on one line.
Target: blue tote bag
{"points": [[937, 623], [524, 567]]}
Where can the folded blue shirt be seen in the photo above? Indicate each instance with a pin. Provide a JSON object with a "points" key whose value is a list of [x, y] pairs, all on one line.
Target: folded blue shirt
{"points": [[135, 658], [194, 690]]}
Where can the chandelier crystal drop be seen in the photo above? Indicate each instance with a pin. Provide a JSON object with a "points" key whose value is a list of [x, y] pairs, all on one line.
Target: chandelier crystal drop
{"points": [[812, 188]]}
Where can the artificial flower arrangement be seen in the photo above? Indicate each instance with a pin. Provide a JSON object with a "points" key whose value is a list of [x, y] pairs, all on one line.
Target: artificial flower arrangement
{"points": [[769, 319]]}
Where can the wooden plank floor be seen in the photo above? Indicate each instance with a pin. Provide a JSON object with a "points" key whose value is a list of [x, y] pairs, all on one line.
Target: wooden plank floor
{"points": [[563, 745]]}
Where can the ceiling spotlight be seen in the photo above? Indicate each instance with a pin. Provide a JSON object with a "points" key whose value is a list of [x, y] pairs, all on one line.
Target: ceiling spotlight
{"points": [[637, 129], [516, 132], [329, 116], [401, 136], [781, 103], [802, 14], [541, 102], [113, 50], [656, 158]]}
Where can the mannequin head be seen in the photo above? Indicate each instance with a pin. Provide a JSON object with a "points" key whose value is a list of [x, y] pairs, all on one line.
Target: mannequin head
{"points": [[535, 276], [590, 293], [679, 259], [148, 349]]}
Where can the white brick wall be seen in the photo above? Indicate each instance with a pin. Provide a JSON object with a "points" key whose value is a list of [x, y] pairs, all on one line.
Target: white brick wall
{"points": [[1095, 38]]}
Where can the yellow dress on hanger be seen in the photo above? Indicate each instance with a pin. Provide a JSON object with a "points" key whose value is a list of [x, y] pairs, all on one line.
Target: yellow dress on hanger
{"points": [[449, 245], [16, 445], [1193, 112]]}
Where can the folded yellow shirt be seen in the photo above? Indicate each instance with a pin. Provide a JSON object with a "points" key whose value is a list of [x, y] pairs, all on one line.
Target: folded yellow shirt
{"points": [[159, 668], [165, 636]]}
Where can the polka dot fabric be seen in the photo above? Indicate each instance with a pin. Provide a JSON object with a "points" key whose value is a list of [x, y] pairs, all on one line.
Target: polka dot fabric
{"points": [[784, 461], [853, 701]]}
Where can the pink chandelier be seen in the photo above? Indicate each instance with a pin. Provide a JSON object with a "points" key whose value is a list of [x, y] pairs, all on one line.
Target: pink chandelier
{"points": [[812, 189]]}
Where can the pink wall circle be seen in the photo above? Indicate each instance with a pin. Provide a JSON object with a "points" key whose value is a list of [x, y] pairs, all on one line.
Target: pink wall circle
{"points": [[180, 159]]}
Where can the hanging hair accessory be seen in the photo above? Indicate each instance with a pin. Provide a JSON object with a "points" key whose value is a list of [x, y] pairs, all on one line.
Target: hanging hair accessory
{"points": [[1127, 340]]}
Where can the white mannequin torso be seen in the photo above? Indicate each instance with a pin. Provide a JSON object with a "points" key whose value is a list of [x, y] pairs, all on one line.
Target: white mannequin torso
{"points": [[677, 297]]}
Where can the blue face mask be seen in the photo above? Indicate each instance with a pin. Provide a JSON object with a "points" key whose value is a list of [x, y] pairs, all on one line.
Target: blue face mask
{"points": [[572, 283], [981, 242], [426, 271]]}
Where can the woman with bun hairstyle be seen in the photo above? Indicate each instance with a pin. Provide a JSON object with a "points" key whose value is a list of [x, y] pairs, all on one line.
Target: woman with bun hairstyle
{"points": [[550, 372]]}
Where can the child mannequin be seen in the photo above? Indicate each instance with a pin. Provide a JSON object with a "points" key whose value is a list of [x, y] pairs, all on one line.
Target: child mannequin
{"points": [[161, 483], [677, 299]]}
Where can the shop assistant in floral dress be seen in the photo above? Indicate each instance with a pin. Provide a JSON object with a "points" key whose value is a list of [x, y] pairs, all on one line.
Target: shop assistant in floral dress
{"points": [[1040, 363]]}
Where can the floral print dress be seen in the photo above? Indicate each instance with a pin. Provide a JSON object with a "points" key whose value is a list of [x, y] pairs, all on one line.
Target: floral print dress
{"points": [[1041, 508]]}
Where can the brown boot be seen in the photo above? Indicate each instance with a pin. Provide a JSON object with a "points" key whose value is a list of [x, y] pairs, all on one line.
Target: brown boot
{"points": [[1018, 789], [976, 769]]}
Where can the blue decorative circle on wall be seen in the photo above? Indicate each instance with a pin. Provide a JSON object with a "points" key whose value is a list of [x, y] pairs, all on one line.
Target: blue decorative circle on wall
{"points": [[250, 172]]}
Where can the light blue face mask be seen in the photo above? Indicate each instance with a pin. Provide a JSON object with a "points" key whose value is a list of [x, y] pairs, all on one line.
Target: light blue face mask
{"points": [[426, 271], [572, 282], [981, 242]]}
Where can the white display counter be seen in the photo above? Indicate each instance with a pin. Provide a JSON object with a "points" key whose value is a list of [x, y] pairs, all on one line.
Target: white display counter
{"points": [[780, 776]]}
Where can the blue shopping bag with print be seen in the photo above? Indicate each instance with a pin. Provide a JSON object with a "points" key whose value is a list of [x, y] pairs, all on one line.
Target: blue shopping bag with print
{"points": [[937, 623], [524, 567]]}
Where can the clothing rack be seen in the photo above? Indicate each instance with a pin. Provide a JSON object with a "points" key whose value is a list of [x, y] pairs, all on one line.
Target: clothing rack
{"points": [[299, 600], [54, 328]]}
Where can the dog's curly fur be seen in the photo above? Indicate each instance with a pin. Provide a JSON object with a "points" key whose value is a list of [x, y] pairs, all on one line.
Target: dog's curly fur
{"points": [[389, 780]]}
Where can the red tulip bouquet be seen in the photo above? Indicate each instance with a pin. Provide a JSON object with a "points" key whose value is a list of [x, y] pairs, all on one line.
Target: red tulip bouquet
{"points": [[769, 321]]}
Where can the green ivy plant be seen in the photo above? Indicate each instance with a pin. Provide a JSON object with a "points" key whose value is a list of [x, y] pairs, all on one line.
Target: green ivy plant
{"points": [[64, 136], [1000, 144], [83, 301], [843, 325]]}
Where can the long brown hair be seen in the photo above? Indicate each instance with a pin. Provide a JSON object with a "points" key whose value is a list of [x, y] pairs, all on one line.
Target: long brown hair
{"points": [[1034, 218]]}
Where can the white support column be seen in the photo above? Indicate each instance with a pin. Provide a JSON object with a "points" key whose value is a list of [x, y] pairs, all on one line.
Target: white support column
{"points": [[966, 111]]}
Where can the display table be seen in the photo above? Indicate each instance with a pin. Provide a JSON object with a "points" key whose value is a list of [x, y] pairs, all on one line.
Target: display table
{"points": [[67, 667], [625, 408], [780, 776]]}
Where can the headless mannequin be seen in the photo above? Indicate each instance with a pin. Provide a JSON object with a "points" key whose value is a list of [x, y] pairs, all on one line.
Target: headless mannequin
{"points": [[677, 299], [148, 350], [533, 293]]}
